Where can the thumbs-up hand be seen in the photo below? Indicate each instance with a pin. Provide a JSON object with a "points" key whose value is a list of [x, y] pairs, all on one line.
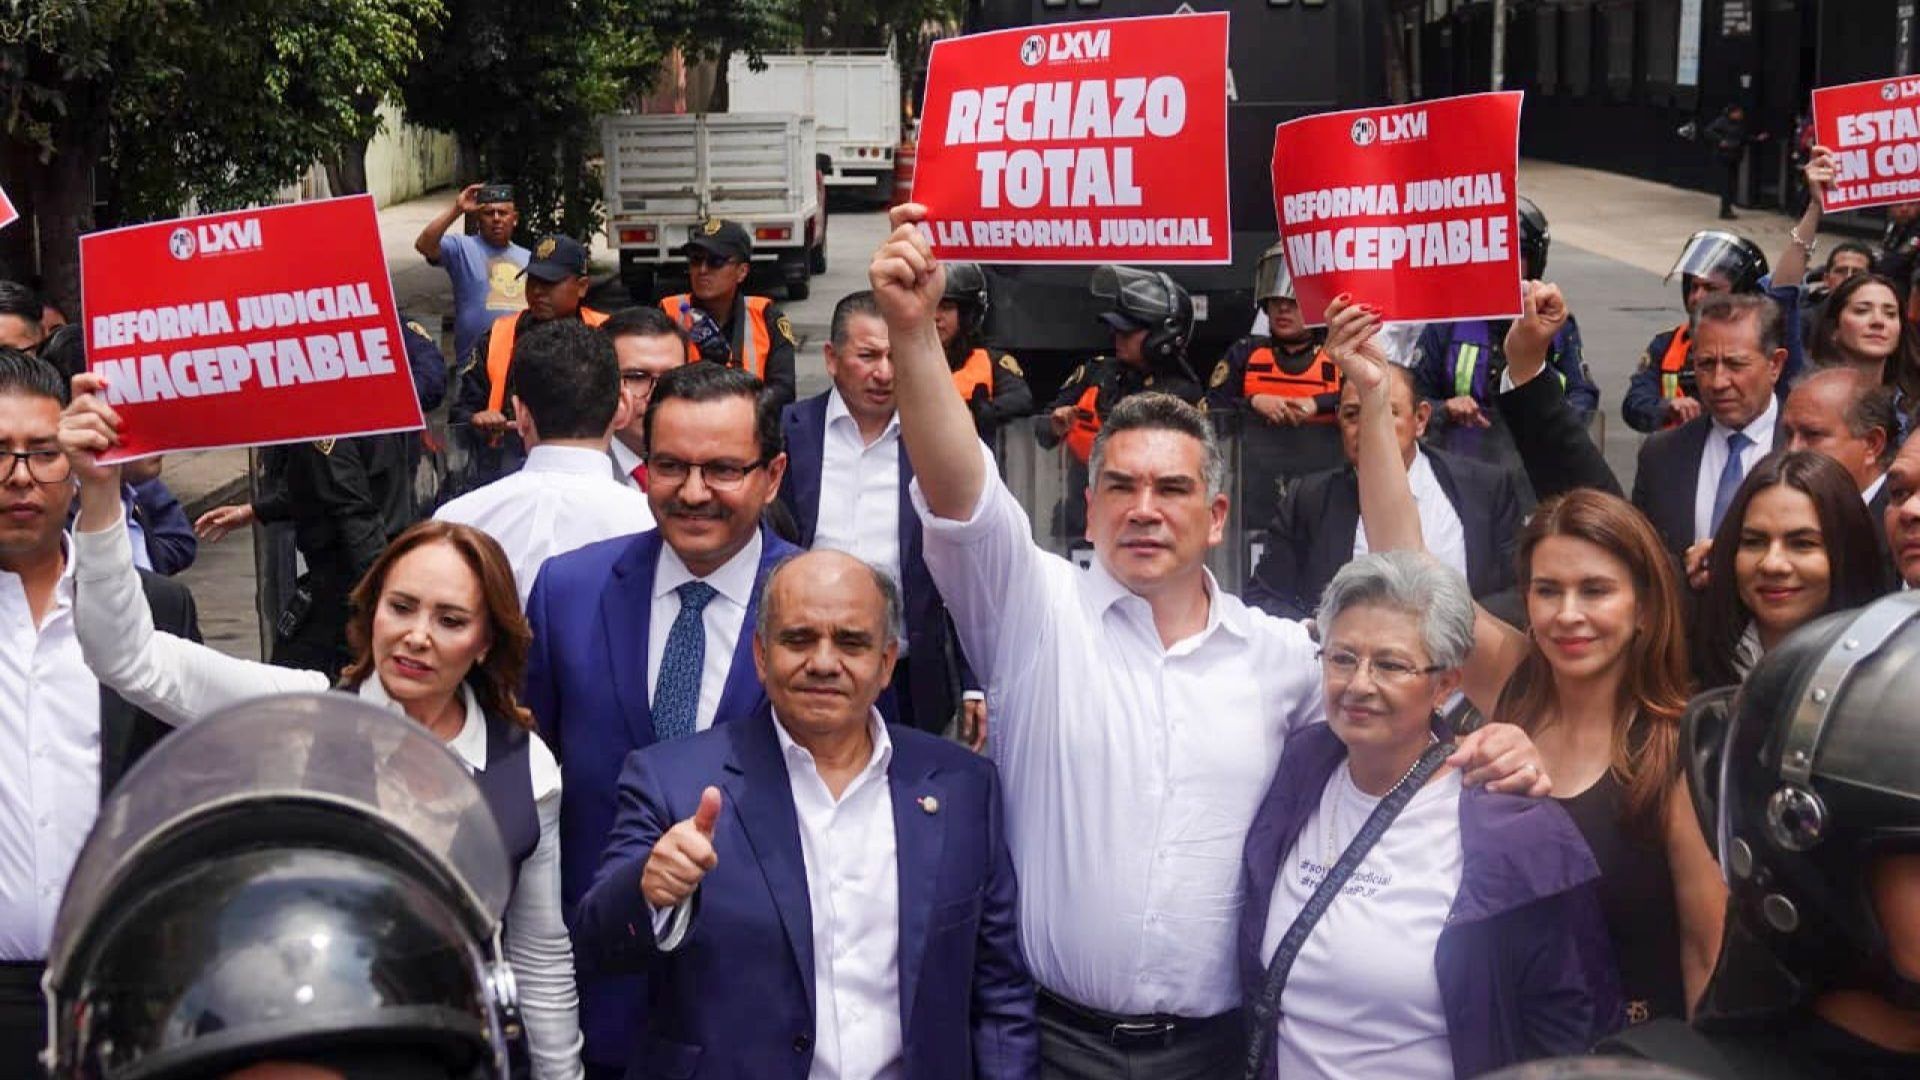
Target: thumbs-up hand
{"points": [[683, 856]]}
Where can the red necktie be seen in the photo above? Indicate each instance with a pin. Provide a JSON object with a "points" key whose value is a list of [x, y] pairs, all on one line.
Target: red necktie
{"points": [[640, 475]]}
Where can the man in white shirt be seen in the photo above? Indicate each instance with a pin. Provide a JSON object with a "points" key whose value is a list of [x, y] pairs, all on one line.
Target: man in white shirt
{"points": [[814, 892], [1687, 475], [1143, 708], [645, 639], [647, 343], [64, 739], [567, 402], [846, 487]]}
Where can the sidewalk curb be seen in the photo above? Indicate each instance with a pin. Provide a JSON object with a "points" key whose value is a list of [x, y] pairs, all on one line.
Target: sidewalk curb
{"points": [[228, 491]]}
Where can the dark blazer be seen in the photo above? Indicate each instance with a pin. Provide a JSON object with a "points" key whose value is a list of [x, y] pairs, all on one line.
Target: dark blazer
{"points": [[1669, 475], [1311, 537], [587, 687], [1877, 510], [736, 997], [126, 733], [938, 670], [1551, 438]]}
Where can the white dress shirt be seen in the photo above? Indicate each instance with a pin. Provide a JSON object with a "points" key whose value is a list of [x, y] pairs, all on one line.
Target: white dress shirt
{"points": [[563, 498], [860, 493], [50, 770], [624, 462], [1132, 770], [1714, 458], [725, 616], [1439, 521], [853, 889], [179, 681], [1872, 490]]}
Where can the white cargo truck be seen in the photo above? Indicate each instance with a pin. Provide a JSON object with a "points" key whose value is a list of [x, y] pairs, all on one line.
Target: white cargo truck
{"points": [[854, 99], [666, 173]]}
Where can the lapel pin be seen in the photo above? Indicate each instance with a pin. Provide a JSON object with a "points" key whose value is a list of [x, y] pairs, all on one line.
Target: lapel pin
{"points": [[930, 804]]}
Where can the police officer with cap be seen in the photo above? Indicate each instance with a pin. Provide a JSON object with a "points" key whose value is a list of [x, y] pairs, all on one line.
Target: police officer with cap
{"points": [[989, 380], [1660, 394], [305, 886], [1458, 364], [1152, 322], [1808, 779], [723, 323], [557, 282]]}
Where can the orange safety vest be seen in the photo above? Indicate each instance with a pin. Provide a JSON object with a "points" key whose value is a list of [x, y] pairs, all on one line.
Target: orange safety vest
{"points": [[754, 344], [975, 373], [1265, 376], [1672, 363], [1085, 425], [500, 353]]}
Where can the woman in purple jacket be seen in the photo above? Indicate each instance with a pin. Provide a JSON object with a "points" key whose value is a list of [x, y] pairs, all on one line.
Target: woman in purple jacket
{"points": [[1470, 936]]}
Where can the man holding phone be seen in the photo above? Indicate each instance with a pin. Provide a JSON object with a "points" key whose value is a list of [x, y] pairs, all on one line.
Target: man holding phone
{"points": [[485, 267]]}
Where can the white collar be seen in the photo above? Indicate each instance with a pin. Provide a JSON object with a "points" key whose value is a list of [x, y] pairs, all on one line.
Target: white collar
{"points": [[1759, 429], [734, 579], [1221, 610], [882, 755], [837, 411], [574, 460], [470, 745], [1872, 490], [624, 458]]}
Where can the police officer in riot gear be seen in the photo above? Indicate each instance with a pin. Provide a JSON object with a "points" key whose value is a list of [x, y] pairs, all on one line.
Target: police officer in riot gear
{"points": [[1660, 393], [1151, 317], [989, 380], [1808, 779], [306, 880], [1458, 365]]}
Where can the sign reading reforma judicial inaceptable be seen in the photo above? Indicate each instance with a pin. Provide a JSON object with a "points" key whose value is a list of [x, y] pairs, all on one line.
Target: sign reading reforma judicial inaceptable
{"points": [[258, 326], [1409, 207], [1090, 141], [1873, 128]]}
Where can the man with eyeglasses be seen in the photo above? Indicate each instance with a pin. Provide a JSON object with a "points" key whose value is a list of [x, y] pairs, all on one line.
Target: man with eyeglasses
{"points": [[723, 323], [67, 739], [647, 344], [566, 393], [642, 639]]}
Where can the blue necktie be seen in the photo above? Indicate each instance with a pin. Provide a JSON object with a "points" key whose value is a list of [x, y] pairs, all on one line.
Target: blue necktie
{"points": [[676, 696], [1730, 476]]}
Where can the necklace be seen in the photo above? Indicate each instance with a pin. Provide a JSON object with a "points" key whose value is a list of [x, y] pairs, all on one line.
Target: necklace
{"points": [[1329, 851]]}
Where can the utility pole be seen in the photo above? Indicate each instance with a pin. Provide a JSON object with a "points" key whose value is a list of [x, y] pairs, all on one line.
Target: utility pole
{"points": [[1499, 76]]}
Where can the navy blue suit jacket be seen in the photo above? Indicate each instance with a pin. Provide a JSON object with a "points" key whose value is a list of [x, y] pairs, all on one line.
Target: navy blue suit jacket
{"points": [[587, 687], [938, 670], [1669, 474], [736, 998]]}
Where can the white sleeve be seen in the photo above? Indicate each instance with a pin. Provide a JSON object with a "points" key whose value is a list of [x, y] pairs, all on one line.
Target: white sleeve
{"points": [[542, 955], [991, 575], [176, 680]]}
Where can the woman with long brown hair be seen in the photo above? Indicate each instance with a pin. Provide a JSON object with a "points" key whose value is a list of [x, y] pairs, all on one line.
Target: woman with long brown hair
{"points": [[1861, 325], [436, 633], [1598, 678]]}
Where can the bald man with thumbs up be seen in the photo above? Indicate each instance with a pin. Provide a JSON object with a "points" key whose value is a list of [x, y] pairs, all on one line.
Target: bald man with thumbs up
{"points": [[810, 892]]}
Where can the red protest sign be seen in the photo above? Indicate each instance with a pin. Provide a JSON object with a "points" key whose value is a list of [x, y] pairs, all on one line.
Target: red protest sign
{"points": [[258, 326], [8, 215], [1409, 207], [1873, 129], [1091, 141]]}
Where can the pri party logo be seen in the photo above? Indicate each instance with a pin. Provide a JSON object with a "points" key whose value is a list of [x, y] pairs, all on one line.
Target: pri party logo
{"points": [[1364, 131], [1890, 91], [181, 243], [1033, 50]]}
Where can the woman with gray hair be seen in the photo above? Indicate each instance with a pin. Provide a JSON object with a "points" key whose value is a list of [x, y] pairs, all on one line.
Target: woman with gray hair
{"points": [[1399, 924]]}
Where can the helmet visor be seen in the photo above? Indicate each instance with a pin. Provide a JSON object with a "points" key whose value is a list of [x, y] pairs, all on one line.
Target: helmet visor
{"points": [[1715, 254], [1141, 295], [1271, 279], [324, 750]]}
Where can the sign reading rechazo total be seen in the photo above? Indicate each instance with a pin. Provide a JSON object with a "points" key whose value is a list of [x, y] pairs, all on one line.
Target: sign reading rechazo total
{"points": [[1090, 141], [1873, 129], [259, 326], [1409, 207]]}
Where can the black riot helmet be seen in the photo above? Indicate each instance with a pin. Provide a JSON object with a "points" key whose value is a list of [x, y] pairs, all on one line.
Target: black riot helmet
{"points": [[1535, 238], [967, 287], [1803, 776], [1715, 252], [292, 879], [1149, 300]]}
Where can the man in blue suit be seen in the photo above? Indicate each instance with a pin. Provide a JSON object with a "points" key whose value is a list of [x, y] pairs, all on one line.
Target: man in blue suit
{"points": [[846, 487], [810, 892], [646, 638]]}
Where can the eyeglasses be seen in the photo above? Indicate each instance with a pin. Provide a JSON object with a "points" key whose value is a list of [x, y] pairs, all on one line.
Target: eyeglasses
{"points": [[1385, 669], [637, 380], [719, 475], [697, 259], [43, 466]]}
